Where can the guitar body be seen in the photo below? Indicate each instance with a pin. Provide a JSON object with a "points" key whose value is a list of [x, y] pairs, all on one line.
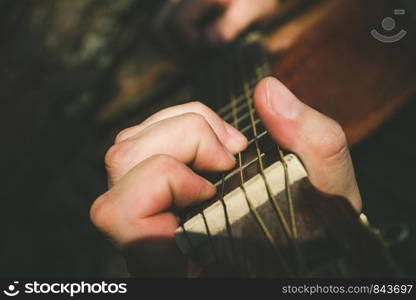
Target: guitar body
{"points": [[323, 52], [328, 58], [241, 235]]}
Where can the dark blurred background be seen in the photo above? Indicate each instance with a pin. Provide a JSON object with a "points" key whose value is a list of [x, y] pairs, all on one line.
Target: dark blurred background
{"points": [[74, 72]]}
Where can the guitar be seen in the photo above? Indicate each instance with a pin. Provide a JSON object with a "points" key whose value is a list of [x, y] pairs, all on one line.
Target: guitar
{"points": [[267, 219]]}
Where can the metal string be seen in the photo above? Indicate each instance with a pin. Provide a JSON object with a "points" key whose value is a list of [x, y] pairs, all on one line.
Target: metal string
{"points": [[234, 255], [252, 209], [261, 71], [228, 225], [233, 114], [260, 160]]}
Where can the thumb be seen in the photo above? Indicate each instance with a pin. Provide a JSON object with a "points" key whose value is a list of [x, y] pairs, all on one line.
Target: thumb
{"points": [[318, 140]]}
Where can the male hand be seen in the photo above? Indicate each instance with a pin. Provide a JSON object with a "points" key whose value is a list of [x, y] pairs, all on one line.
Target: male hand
{"points": [[234, 17], [151, 169]]}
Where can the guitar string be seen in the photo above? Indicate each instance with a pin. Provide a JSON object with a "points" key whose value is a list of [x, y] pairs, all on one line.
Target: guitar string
{"points": [[216, 84], [238, 105], [226, 110], [271, 196], [235, 171], [252, 209], [263, 70], [234, 255], [239, 155]]}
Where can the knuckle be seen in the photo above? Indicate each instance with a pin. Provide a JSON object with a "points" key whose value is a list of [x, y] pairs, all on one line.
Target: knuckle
{"points": [[194, 120], [122, 135], [164, 164], [199, 107], [163, 167], [98, 211], [332, 142], [115, 156]]}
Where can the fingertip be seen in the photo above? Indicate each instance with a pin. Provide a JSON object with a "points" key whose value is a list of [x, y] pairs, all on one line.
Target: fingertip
{"points": [[237, 141], [209, 190], [280, 111]]}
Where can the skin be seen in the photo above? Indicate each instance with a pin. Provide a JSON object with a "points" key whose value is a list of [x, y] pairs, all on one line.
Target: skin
{"points": [[151, 169], [233, 18]]}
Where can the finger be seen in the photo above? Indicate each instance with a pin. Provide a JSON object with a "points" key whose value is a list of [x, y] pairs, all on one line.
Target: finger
{"points": [[318, 140], [188, 138], [238, 15], [136, 217], [233, 140], [131, 201], [189, 13]]}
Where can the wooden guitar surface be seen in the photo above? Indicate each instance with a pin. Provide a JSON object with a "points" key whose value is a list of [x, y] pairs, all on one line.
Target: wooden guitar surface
{"points": [[325, 54], [328, 58]]}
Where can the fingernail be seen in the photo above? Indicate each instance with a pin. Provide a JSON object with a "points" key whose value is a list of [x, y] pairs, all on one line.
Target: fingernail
{"points": [[281, 101], [238, 140]]}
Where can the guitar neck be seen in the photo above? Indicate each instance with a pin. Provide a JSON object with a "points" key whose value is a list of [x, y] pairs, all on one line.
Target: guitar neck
{"points": [[232, 77], [267, 219]]}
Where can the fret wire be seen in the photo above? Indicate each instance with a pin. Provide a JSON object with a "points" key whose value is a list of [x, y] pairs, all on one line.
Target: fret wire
{"points": [[244, 166], [243, 117], [249, 126], [231, 174], [266, 71], [230, 114], [252, 209], [223, 110], [253, 140], [269, 192], [240, 98]]}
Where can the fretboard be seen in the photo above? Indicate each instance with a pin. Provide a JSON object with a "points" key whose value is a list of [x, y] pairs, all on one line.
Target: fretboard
{"points": [[231, 78]]}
